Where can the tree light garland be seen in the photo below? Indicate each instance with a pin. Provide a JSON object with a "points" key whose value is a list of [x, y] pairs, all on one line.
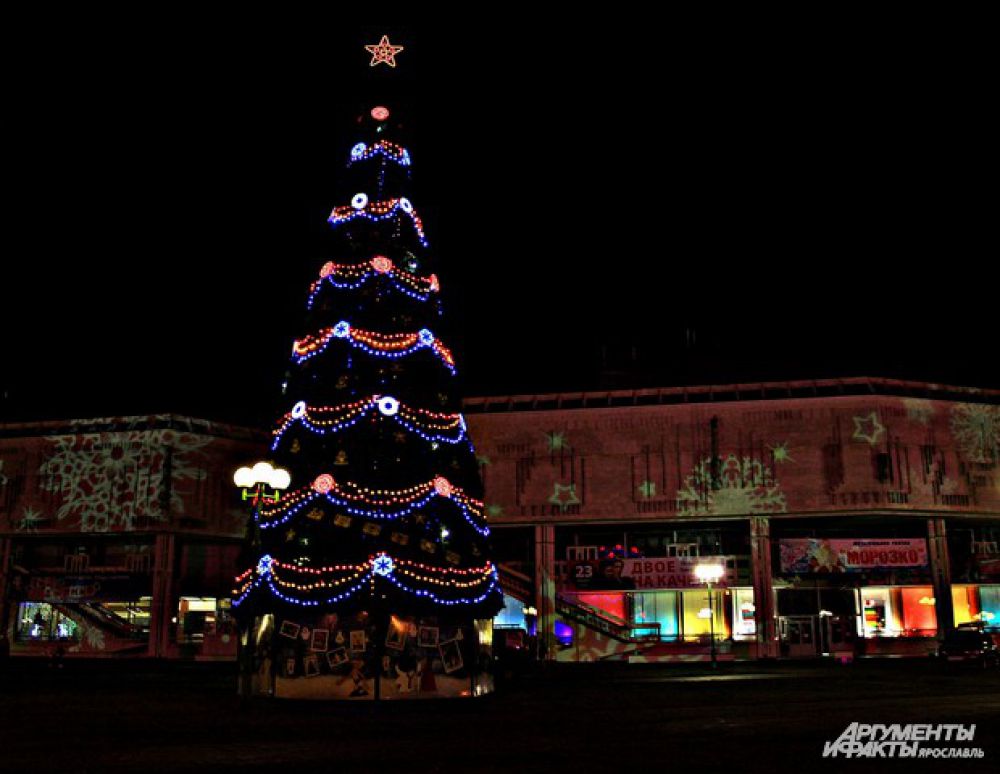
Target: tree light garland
{"points": [[390, 345], [272, 572], [384, 148], [376, 211], [379, 504], [431, 426], [354, 276]]}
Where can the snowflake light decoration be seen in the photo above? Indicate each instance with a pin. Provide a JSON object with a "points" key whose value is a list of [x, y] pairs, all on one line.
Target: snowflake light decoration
{"points": [[743, 486], [976, 430], [383, 565]]}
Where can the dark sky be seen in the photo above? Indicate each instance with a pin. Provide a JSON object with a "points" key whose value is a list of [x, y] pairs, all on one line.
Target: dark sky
{"points": [[729, 206]]}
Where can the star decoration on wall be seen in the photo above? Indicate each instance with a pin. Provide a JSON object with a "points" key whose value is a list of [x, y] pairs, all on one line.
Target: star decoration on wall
{"points": [[780, 452], [564, 496], [647, 489], [30, 519], [383, 52], [868, 428], [557, 441]]}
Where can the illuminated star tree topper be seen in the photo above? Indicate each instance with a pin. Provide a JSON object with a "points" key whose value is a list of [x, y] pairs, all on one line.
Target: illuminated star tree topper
{"points": [[383, 52]]}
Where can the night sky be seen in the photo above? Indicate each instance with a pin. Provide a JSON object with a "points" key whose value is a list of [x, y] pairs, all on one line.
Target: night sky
{"points": [[611, 206]]}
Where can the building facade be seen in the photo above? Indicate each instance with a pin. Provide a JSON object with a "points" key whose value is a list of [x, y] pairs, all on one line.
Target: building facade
{"points": [[120, 537], [850, 517]]}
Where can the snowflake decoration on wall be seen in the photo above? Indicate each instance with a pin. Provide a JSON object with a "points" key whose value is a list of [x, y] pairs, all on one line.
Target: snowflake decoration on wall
{"points": [[744, 486], [108, 480], [976, 430]]}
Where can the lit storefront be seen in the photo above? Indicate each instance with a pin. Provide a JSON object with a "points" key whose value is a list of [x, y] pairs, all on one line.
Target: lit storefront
{"points": [[855, 517], [119, 537]]}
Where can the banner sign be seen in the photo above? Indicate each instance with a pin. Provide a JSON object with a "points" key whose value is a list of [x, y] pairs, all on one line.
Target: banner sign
{"points": [[665, 572], [819, 555]]}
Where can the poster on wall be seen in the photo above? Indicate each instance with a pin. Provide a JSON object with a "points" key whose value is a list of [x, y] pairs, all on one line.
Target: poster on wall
{"points": [[665, 572], [820, 555]]}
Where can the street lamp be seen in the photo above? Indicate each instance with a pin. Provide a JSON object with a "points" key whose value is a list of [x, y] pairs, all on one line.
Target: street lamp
{"points": [[256, 481], [263, 482], [709, 574]]}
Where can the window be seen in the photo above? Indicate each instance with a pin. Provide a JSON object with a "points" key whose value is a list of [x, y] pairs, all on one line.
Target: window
{"points": [[41, 622]]}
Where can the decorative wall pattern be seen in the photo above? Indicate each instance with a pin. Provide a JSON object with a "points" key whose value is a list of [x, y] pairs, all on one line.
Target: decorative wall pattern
{"points": [[122, 475], [802, 455]]}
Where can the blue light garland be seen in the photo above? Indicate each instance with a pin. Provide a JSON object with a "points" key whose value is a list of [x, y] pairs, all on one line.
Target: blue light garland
{"points": [[382, 566], [388, 407], [393, 349], [390, 276], [378, 211], [383, 148], [401, 513]]}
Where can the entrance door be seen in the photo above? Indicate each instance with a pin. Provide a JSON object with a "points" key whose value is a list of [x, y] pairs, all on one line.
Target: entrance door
{"points": [[836, 634], [798, 635]]}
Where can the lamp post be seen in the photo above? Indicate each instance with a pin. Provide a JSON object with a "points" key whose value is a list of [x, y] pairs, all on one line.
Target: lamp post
{"points": [[260, 483], [709, 574]]}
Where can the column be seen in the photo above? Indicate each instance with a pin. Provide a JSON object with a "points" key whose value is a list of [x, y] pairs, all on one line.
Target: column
{"points": [[5, 589], [545, 586], [161, 608], [937, 546], [763, 586]]}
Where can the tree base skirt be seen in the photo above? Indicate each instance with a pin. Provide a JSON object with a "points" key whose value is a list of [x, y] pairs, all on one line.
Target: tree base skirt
{"points": [[361, 657]]}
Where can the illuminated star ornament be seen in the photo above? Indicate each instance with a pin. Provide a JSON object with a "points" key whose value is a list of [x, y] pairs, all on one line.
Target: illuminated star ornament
{"points": [[383, 52], [868, 428]]}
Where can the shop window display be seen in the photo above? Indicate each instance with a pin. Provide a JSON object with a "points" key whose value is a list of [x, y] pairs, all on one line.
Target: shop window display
{"points": [[40, 621], [697, 622], [989, 606], [965, 603], [900, 611], [657, 607]]}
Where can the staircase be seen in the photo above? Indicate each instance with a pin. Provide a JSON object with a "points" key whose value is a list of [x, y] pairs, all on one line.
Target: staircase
{"points": [[516, 584], [607, 624]]}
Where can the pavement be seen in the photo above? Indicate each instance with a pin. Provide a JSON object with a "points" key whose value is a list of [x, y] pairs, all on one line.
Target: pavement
{"points": [[139, 717]]}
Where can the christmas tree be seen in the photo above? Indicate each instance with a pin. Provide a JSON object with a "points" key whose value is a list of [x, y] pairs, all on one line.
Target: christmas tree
{"points": [[375, 560]]}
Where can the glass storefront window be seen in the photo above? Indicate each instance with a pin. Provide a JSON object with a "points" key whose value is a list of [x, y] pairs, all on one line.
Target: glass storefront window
{"points": [[657, 607], [612, 605], [897, 611], [134, 613], [877, 615], [919, 617], [40, 621], [196, 618], [512, 613], [989, 606], [744, 625], [697, 620], [965, 602]]}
